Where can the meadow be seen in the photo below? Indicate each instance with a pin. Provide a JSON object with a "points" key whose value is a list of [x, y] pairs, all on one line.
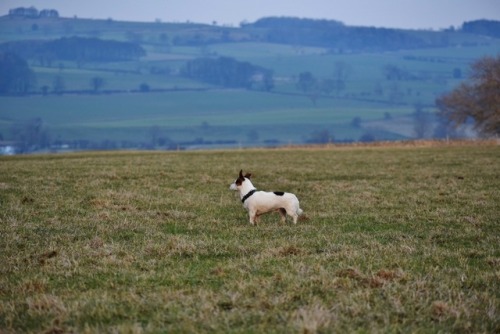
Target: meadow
{"points": [[179, 106], [186, 115], [395, 238]]}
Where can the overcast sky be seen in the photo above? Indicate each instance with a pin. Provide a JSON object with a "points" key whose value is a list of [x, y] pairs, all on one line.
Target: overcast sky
{"points": [[414, 14]]}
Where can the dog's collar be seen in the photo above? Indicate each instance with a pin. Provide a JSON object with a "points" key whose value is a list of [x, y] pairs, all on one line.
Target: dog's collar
{"points": [[250, 193]]}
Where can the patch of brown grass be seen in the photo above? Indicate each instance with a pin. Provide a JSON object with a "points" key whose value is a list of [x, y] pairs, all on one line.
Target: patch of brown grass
{"points": [[397, 240]]}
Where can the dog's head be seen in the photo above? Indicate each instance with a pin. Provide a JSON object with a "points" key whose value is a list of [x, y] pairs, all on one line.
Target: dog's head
{"points": [[239, 181]]}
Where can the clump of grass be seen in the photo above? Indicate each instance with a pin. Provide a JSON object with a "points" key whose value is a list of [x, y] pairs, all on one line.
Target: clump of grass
{"points": [[397, 239]]}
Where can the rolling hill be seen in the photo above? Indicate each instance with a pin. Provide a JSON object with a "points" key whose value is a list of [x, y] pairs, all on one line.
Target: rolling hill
{"points": [[330, 82]]}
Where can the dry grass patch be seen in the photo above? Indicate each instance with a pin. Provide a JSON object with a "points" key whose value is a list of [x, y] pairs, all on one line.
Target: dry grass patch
{"points": [[397, 239]]}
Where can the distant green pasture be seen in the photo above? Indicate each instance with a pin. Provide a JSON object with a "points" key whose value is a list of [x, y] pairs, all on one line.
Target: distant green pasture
{"points": [[222, 107], [191, 114], [286, 114], [79, 79], [433, 67]]}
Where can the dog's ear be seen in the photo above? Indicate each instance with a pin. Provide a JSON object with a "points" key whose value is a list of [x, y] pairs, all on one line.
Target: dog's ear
{"points": [[248, 175], [240, 179]]}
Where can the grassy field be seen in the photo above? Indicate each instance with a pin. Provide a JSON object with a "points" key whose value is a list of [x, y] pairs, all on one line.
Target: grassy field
{"points": [[395, 239], [285, 116], [180, 115]]}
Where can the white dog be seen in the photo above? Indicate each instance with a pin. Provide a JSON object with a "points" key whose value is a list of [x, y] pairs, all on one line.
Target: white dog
{"points": [[259, 202]]}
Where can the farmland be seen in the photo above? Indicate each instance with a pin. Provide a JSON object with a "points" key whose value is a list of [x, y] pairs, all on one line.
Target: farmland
{"points": [[205, 115], [147, 103], [398, 238]]}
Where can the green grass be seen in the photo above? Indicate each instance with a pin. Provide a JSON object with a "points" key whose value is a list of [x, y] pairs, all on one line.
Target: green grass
{"points": [[397, 239], [191, 108], [181, 115], [291, 118], [232, 113], [137, 73]]}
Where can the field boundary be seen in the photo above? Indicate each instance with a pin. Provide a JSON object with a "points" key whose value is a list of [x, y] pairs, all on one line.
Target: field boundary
{"points": [[385, 144]]}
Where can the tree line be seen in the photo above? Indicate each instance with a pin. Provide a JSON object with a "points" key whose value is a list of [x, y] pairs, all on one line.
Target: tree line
{"points": [[337, 36], [16, 76], [78, 49], [229, 72], [32, 13], [482, 27], [334, 34]]}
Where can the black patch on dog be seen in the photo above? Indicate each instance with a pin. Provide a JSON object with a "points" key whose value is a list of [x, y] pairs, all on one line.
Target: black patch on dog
{"points": [[279, 193]]}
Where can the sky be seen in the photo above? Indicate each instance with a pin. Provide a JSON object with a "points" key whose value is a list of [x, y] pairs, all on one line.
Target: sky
{"points": [[406, 14]]}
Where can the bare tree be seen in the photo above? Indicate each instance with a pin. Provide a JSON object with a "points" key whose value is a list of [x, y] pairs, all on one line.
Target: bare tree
{"points": [[96, 83], [341, 73], [309, 85], [307, 82], [58, 84], [478, 99], [155, 133], [422, 122], [31, 135]]}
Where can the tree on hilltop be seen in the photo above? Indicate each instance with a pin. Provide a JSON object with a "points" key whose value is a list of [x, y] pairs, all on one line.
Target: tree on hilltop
{"points": [[16, 76], [478, 99]]}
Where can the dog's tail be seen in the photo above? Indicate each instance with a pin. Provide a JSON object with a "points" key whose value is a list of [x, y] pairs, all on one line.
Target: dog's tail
{"points": [[300, 211]]}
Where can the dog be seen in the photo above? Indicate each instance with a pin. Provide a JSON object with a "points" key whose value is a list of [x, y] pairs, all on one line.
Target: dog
{"points": [[259, 202]]}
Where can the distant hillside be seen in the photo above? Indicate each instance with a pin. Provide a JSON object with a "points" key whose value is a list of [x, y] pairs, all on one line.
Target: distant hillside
{"points": [[483, 27], [330, 34], [335, 35], [75, 49], [106, 84]]}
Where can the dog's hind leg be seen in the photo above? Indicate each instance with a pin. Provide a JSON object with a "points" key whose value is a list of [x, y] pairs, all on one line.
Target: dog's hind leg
{"points": [[296, 214], [282, 213], [293, 211]]}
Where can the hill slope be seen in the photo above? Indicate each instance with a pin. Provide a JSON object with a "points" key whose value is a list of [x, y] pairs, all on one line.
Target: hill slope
{"points": [[148, 102]]}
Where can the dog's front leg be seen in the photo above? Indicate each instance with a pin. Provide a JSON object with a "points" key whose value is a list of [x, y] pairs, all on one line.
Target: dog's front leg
{"points": [[253, 217]]}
